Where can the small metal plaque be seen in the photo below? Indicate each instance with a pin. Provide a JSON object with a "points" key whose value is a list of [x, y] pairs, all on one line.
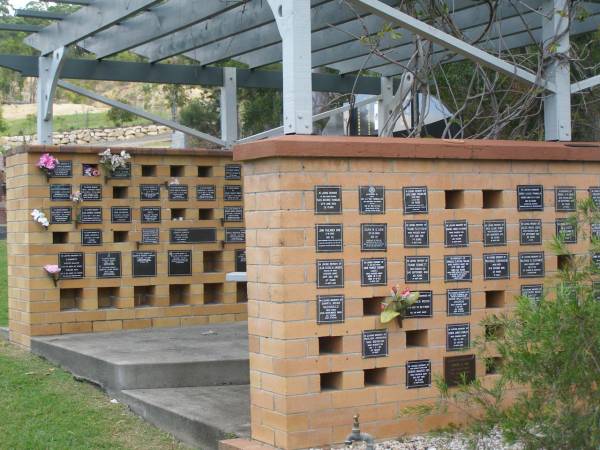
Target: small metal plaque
{"points": [[329, 237], [458, 336], [459, 370], [192, 235], [233, 214], [72, 265], [416, 233], [458, 302], [534, 292], [594, 193], [120, 214], [143, 263], [91, 192], [371, 199], [458, 268], [149, 192], [233, 172], [456, 233], [60, 192], [565, 199], [373, 237], [232, 193], [496, 266], [328, 199], [567, 230], [108, 265], [180, 263], [64, 169], [178, 192], [121, 172], [494, 233], [374, 343], [330, 273], [423, 306], [240, 260], [530, 197], [150, 235], [60, 215], [206, 192], [373, 272], [418, 374], [235, 235], [415, 200], [150, 214], [90, 215], [530, 231], [596, 260], [595, 230], [91, 237], [531, 265], [330, 309], [416, 269]]}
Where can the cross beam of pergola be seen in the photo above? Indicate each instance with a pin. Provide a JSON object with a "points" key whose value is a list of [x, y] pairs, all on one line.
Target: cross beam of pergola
{"points": [[302, 35]]}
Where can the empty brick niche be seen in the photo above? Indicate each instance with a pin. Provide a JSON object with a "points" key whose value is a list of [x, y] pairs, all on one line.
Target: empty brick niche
{"points": [[492, 198], [120, 192], [213, 261], [213, 293], [454, 199], [108, 297], [60, 237], [564, 262], [205, 171], [177, 213], [120, 236], [179, 294], [375, 377], [70, 299], [494, 299], [206, 214], [241, 293], [331, 381], [148, 171], [417, 338], [330, 344], [177, 171], [143, 296], [493, 365], [372, 306]]}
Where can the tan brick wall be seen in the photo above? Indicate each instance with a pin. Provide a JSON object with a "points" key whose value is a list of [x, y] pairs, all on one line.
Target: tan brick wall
{"points": [[35, 304], [290, 406]]}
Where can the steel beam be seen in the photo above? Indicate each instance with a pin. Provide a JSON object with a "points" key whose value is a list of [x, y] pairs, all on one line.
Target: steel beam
{"points": [[229, 107], [20, 27], [585, 84], [49, 71], [385, 105], [85, 22], [37, 14], [139, 112]]}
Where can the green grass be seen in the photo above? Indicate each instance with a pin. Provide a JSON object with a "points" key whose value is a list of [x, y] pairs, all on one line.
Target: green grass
{"points": [[3, 286], [20, 127]]}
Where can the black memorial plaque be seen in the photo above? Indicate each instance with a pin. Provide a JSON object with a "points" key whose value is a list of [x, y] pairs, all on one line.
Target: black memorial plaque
{"points": [[530, 197], [418, 374], [373, 272], [374, 343], [596, 290], [108, 265], [150, 214], [458, 336], [91, 237], [416, 269], [330, 273], [121, 173], [91, 192], [566, 229], [143, 263], [90, 215], [192, 235], [235, 235], [178, 192], [595, 231], [120, 214], [150, 235], [330, 309], [233, 214], [458, 268], [206, 192], [415, 200], [423, 307], [456, 233], [72, 265], [458, 302], [565, 199], [530, 232], [496, 266], [416, 233], [59, 215], [240, 260], [233, 172], [459, 370], [328, 199], [64, 169], [531, 265], [232, 193], [149, 192], [371, 199], [329, 237], [594, 193], [533, 291], [180, 263], [494, 233], [60, 192], [595, 257], [373, 237]]}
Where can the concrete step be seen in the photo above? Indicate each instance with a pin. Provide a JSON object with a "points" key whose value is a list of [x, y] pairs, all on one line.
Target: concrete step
{"points": [[152, 359], [198, 416]]}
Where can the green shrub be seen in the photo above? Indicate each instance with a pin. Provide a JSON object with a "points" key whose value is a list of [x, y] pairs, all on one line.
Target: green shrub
{"points": [[119, 116]]}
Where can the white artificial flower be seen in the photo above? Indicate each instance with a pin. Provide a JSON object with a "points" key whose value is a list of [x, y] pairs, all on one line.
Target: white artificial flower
{"points": [[44, 222], [35, 214]]}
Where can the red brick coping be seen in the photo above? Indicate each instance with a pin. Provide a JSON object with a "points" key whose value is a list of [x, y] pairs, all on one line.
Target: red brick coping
{"points": [[132, 150]]}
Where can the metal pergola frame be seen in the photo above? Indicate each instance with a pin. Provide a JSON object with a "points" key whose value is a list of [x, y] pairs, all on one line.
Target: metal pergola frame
{"points": [[302, 35]]}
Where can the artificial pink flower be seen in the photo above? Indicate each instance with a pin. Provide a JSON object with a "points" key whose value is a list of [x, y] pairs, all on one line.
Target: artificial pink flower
{"points": [[95, 173], [47, 161], [52, 269], [405, 293]]}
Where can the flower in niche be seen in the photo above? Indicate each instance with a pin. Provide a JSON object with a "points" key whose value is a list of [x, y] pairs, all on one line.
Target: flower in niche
{"points": [[400, 301], [39, 217], [47, 163], [76, 197], [53, 272]]}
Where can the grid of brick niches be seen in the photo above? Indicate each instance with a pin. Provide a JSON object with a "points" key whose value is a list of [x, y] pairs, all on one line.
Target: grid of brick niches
{"points": [[149, 246], [326, 239]]}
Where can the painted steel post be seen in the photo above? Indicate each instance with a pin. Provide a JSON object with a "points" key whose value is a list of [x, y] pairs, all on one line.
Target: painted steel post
{"points": [[229, 106], [49, 72], [385, 103]]}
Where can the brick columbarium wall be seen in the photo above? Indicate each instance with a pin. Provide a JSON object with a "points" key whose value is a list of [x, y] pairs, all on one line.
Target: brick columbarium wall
{"points": [[136, 253], [333, 222]]}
